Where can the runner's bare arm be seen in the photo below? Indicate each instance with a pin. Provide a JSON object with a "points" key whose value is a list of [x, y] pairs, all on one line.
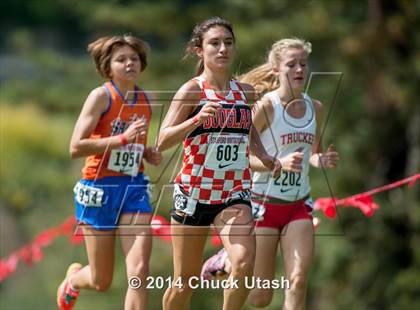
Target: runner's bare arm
{"points": [[176, 126], [255, 144], [262, 116], [320, 159], [317, 145], [81, 144]]}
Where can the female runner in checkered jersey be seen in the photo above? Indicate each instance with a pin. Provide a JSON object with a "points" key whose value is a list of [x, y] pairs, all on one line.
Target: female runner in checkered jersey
{"points": [[289, 123], [111, 132], [211, 115]]}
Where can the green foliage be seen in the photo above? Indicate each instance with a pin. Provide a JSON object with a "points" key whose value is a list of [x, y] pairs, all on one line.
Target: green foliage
{"points": [[34, 154], [372, 118]]}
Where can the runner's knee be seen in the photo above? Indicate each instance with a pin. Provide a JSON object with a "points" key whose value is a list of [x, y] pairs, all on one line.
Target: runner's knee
{"points": [[242, 263], [260, 298], [139, 269], [182, 287], [101, 284]]}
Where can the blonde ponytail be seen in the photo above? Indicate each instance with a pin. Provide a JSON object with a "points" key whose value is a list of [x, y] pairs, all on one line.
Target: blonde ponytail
{"points": [[262, 78]]}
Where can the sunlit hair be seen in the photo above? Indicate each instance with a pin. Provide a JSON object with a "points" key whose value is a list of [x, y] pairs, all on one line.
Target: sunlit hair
{"points": [[197, 38], [102, 49], [262, 77]]}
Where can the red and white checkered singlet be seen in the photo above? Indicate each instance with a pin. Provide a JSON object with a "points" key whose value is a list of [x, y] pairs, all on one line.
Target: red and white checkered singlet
{"points": [[216, 154]]}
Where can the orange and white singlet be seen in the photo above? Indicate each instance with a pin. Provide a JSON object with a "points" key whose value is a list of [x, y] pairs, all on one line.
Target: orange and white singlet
{"points": [[120, 113]]}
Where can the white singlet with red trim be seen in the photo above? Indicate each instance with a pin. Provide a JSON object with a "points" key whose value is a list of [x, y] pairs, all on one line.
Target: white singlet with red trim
{"points": [[287, 135]]}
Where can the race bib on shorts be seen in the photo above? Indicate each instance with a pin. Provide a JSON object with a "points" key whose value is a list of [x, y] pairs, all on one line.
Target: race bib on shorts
{"points": [[126, 159], [310, 204], [258, 211], [88, 196], [227, 152], [182, 202]]}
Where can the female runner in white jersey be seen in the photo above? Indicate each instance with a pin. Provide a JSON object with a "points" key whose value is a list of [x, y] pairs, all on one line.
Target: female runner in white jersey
{"points": [[211, 114], [289, 123]]}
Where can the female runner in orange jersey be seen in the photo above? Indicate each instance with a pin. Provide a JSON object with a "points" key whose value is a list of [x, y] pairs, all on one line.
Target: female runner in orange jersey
{"points": [[112, 197]]}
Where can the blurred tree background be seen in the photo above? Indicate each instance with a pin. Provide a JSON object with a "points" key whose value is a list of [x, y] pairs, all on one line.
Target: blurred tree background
{"points": [[374, 122]]}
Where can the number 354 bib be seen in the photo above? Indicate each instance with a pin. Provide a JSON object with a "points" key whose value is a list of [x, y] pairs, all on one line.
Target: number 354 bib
{"points": [[126, 159], [227, 152]]}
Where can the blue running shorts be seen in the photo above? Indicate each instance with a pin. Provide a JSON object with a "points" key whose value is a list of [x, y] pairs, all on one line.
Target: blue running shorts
{"points": [[100, 203]]}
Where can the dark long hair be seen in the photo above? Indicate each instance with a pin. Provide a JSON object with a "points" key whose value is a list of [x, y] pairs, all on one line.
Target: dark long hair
{"points": [[197, 38]]}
